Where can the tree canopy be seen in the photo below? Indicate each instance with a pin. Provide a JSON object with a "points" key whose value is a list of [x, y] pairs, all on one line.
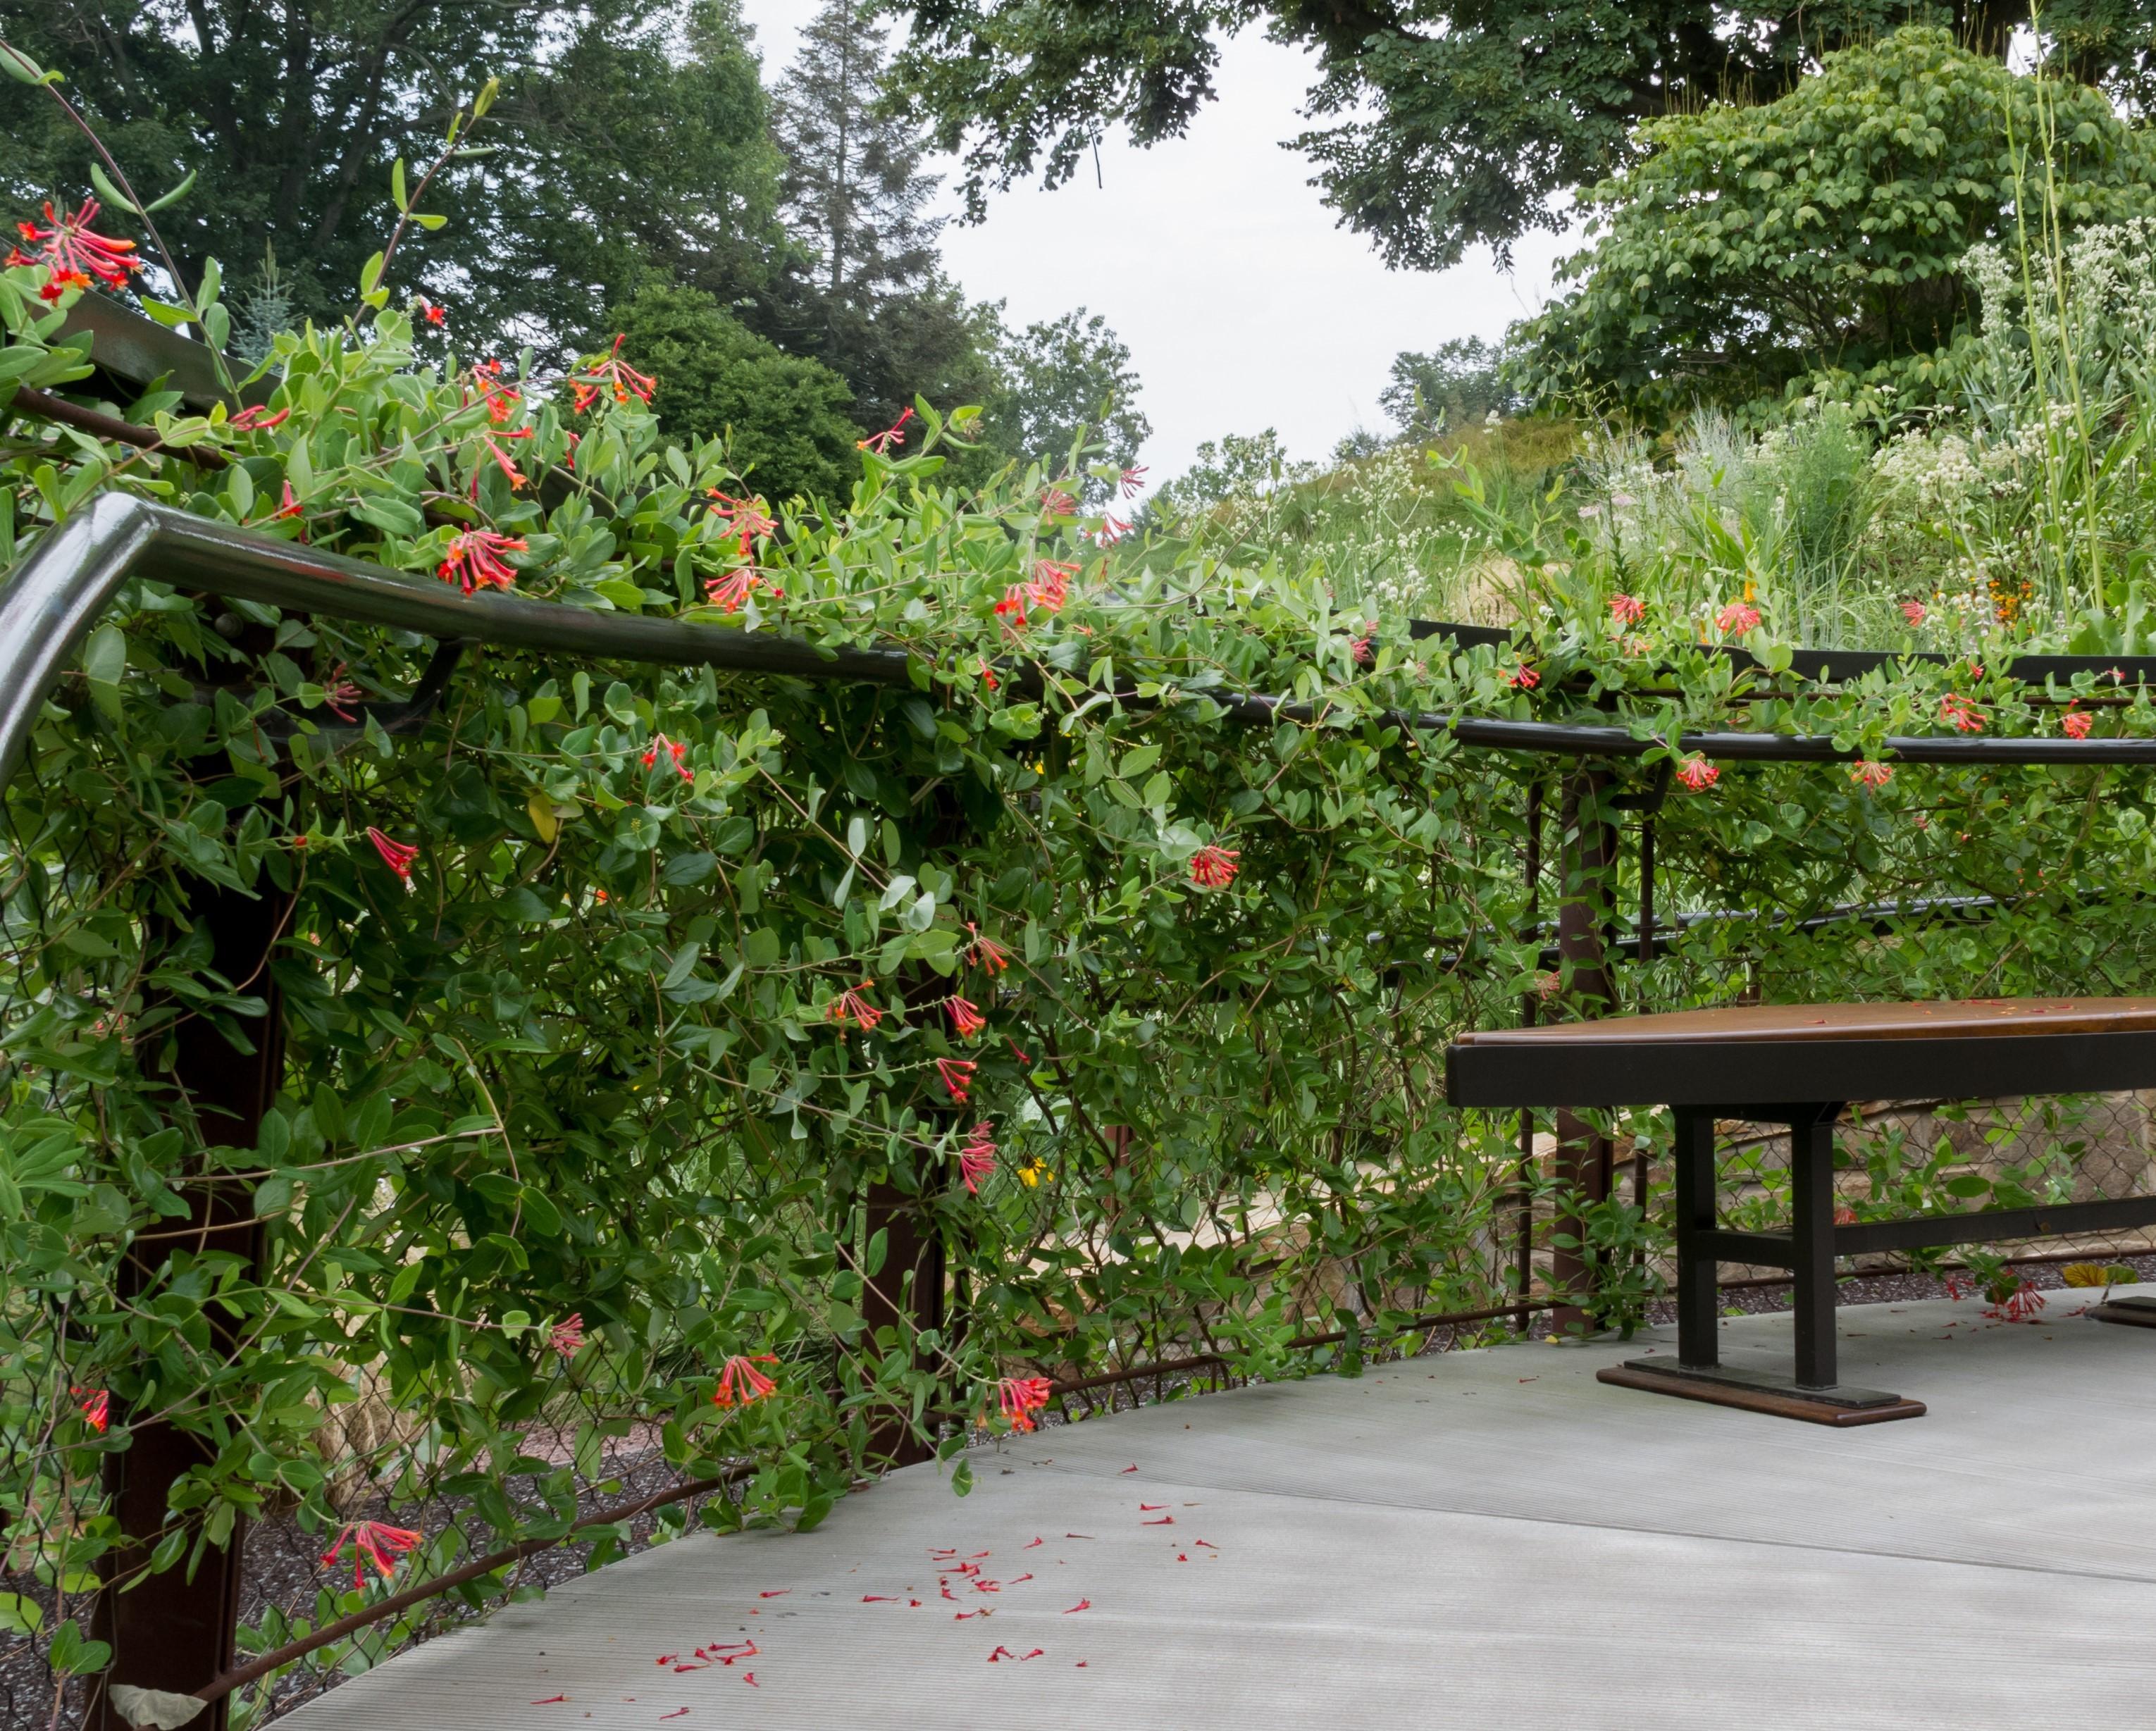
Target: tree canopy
{"points": [[1753, 249], [1448, 122]]}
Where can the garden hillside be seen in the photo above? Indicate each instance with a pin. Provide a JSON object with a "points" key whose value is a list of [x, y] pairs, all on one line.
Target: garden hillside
{"points": [[685, 1089]]}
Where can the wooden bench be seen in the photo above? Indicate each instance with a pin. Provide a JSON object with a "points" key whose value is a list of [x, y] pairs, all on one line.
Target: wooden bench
{"points": [[1797, 1065]]}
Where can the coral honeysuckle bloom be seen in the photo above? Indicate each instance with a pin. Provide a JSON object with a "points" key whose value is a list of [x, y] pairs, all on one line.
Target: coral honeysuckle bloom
{"points": [[74, 254], [427, 310], [731, 590], [1697, 775], [986, 952], [964, 1017], [1132, 481], [740, 1382], [371, 1542], [1057, 503], [1914, 613], [1871, 774], [567, 1335], [1627, 609], [881, 442], [2076, 723], [1736, 619], [396, 854], [256, 419], [675, 751], [1214, 868], [1011, 610], [749, 518], [474, 560], [96, 1406], [850, 1007], [1959, 713], [1112, 530], [958, 1076], [1523, 678], [1360, 649], [1020, 1397], [1050, 587], [977, 1159], [610, 376], [988, 675]]}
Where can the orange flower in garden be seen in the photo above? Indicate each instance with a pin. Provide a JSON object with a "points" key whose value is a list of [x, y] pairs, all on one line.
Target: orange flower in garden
{"points": [[964, 1017], [1697, 775], [675, 750], [73, 253], [610, 377], [1523, 678], [745, 518], [1737, 618], [1871, 774], [1961, 714], [741, 1383], [1914, 613], [371, 1542], [977, 1159], [2076, 723], [474, 560], [729, 592], [427, 310], [96, 1406], [1214, 868], [986, 952], [397, 855], [1011, 610], [958, 1076], [1020, 1397], [1627, 609], [850, 1006], [988, 675], [1050, 587], [881, 442]]}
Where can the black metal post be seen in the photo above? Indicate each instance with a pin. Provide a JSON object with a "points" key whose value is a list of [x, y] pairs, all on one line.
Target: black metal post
{"points": [[1523, 1245], [1811, 1195], [174, 1630], [1693, 1204], [1584, 1159]]}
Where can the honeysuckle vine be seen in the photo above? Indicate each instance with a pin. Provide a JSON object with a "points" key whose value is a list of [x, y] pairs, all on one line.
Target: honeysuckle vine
{"points": [[614, 993]]}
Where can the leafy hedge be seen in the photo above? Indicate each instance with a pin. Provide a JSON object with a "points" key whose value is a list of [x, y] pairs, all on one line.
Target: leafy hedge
{"points": [[653, 977]]}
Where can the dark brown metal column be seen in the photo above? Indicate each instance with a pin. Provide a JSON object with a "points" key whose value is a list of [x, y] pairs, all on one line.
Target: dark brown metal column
{"points": [[1693, 1204], [905, 1294], [1586, 859], [1811, 1210], [174, 1630]]}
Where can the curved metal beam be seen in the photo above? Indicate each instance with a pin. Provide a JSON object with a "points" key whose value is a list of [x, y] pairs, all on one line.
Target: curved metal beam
{"points": [[48, 605]]}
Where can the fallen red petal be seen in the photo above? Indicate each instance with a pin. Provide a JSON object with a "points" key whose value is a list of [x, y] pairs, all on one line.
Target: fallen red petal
{"points": [[549, 1700], [1082, 1604], [1164, 1521], [1029, 1547], [1148, 1507], [775, 1593], [675, 1714]]}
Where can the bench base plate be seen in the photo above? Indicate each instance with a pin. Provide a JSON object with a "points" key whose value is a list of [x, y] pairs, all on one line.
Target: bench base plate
{"points": [[2134, 1313], [1761, 1391]]}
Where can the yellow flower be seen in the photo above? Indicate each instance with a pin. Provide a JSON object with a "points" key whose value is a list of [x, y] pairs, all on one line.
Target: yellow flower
{"points": [[1032, 1173]]}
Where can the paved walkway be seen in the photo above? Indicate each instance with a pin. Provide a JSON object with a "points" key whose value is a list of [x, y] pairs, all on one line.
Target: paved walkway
{"points": [[1478, 1539]]}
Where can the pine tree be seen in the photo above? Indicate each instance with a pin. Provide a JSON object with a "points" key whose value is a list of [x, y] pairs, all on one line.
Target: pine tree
{"points": [[853, 189]]}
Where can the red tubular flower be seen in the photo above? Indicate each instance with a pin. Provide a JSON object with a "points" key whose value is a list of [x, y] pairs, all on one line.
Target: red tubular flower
{"points": [[1020, 1397], [1627, 609], [986, 952], [1132, 481], [474, 560], [1523, 678], [1360, 649], [1962, 715], [395, 854], [96, 1405], [611, 376], [675, 750], [850, 1007], [1214, 868], [1737, 618], [514, 475], [1011, 610], [741, 1383], [339, 694], [372, 1542], [957, 1074], [427, 310], [1869, 775], [731, 590], [746, 518], [988, 675], [1697, 775], [2076, 723], [977, 1159], [964, 1017], [289, 505], [2018, 1305], [1112, 530], [881, 442], [568, 1338], [1913, 612], [74, 254], [1050, 587], [1057, 503], [256, 419]]}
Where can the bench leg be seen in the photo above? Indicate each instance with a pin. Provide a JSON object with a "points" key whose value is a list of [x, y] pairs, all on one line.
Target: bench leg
{"points": [[1811, 1185], [1697, 1300]]}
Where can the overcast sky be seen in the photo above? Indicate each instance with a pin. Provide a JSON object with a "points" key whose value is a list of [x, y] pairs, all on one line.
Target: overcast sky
{"points": [[1244, 306]]}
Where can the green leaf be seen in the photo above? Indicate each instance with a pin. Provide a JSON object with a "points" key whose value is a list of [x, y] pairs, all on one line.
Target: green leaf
{"points": [[398, 195], [108, 192]]}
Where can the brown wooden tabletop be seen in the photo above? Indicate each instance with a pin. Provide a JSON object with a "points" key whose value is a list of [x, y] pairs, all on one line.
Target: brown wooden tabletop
{"points": [[1969, 1049]]}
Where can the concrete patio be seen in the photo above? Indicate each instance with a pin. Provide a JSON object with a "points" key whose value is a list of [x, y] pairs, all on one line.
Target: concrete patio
{"points": [[1476, 1540]]}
